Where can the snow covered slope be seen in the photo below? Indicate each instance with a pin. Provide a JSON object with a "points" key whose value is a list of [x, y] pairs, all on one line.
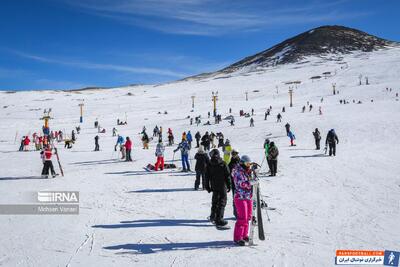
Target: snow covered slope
{"points": [[130, 217]]}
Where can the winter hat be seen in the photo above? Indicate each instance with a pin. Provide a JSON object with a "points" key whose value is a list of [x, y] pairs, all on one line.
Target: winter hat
{"points": [[245, 159], [214, 153]]}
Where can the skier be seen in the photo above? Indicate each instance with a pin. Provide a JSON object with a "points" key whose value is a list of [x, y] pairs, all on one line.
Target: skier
{"points": [[252, 111], [26, 143], [184, 148], [128, 149], [287, 127], [320, 111], [47, 163], [283, 109], [160, 156], [279, 117], [155, 131], [197, 136], [303, 109], [251, 122], [205, 141], [273, 153], [265, 116], [96, 143], [292, 137], [241, 175], [145, 140], [120, 142], [170, 137], [73, 138], [217, 181], [232, 121], [332, 140], [227, 149], [202, 160], [114, 131], [317, 137], [310, 108], [189, 138]]}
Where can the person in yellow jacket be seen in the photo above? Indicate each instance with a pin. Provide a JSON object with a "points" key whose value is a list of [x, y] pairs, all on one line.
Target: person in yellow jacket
{"points": [[227, 149]]}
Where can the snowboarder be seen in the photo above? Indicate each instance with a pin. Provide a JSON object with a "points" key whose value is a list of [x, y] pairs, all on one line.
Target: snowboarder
{"points": [[202, 160], [273, 153], [47, 163], [227, 149], [287, 127], [317, 137], [96, 143], [331, 140], [185, 149], [241, 175], [128, 149], [217, 181], [160, 157], [251, 122], [197, 136], [292, 137], [279, 117]]}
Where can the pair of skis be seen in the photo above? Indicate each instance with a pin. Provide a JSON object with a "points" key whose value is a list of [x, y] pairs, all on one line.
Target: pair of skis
{"points": [[256, 218], [58, 160]]}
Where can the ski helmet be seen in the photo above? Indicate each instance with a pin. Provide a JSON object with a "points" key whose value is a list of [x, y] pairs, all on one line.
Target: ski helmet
{"points": [[245, 159], [214, 153]]}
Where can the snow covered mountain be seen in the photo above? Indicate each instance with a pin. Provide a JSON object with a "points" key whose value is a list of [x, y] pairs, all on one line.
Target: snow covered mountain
{"points": [[326, 42]]}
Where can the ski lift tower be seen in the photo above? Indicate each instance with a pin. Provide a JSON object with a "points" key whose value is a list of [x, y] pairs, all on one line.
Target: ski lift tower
{"points": [[46, 117], [215, 98], [81, 117], [291, 96]]}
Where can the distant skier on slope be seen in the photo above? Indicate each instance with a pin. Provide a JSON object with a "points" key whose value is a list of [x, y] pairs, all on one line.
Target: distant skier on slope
{"points": [[160, 156], [331, 140], [292, 137], [218, 182], [317, 138], [287, 127], [197, 136], [96, 143], [279, 117], [205, 142]]}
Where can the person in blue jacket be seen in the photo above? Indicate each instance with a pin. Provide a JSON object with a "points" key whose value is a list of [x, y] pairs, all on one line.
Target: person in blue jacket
{"points": [[120, 142], [292, 138], [189, 138], [184, 148]]}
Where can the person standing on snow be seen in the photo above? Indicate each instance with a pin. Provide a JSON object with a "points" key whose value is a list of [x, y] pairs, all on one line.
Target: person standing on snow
{"points": [[292, 137], [227, 149], [287, 127], [205, 142], [251, 122], [120, 142], [241, 175], [128, 149], [26, 143], [185, 149], [331, 140], [266, 150], [317, 137], [235, 159], [273, 153], [197, 136], [279, 117], [202, 160], [189, 138], [96, 143], [217, 181], [160, 156], [47, 163], [145, 140]]}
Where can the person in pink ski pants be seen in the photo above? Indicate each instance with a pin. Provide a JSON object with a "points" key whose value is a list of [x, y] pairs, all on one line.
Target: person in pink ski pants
{"points": [[241, 175]]}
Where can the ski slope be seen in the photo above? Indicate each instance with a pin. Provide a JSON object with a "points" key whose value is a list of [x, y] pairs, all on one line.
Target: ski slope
{"points": [[130, 217]]}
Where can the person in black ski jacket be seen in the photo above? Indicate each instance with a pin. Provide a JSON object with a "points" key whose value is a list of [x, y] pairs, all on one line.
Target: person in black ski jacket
{"points": [[235, 159], [96, 143], [317, 137], [273, 153], [217, 181], [205, 141], [331, 140], [197, 137], [287, 127], [202, 160]]}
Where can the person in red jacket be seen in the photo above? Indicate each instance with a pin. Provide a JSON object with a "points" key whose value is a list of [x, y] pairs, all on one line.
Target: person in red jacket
{"points": [[47, 163], [26, 143], [128, 148]]}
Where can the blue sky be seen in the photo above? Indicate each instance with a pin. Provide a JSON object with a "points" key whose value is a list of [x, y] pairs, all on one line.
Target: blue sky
{"points": [[65, 44]]}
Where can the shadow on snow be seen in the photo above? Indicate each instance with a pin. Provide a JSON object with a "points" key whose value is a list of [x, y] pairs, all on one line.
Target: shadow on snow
{"points": [[21, 178], [166, 190], [156, 223], [154, 248], [310, 156]]}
